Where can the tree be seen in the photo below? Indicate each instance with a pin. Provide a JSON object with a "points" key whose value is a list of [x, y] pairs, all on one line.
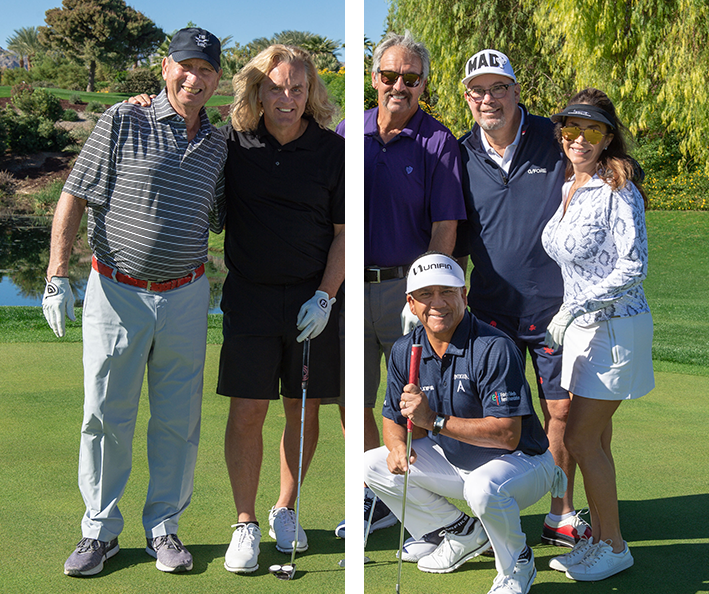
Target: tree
{"points": [[454, 30], [649, 56], [321, 49], [100, 31], [25, 42]]}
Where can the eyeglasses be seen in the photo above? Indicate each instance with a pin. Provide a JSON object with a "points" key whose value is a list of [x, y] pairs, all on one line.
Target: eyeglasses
{"points": [[496, 92], [389, 77], [591, 135]]}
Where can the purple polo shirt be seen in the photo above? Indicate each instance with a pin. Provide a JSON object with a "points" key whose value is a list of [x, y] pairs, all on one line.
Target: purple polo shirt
{"points": [[409, 183]]}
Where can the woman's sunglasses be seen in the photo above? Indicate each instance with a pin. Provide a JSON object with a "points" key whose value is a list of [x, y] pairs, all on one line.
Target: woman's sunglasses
{"points": [[571, 133], [389, 77]]}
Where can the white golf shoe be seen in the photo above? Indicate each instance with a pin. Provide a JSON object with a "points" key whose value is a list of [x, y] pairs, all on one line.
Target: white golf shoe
{"points": [[282, 527], [455, 549], [577, 554], [600, 563], [521, 579], [242, 554]]}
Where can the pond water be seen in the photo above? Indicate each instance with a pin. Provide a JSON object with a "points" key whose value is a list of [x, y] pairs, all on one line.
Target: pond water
{"points": [[24, 255]]}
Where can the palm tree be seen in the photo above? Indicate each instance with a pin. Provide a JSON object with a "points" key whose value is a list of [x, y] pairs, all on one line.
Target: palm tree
{"points": [[25, 42]]}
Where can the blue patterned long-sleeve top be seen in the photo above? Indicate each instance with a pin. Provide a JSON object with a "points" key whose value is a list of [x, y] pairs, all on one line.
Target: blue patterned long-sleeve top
{"points": [[600, 243]]}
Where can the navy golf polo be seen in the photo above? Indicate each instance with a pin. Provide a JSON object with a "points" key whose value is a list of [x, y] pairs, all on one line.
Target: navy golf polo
{"points": [[481, 375], [512, 273], [410, 183]]}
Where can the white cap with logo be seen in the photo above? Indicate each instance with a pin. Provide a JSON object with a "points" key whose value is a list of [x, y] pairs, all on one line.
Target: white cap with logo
{"points": [[434, 269], [488, 61]]}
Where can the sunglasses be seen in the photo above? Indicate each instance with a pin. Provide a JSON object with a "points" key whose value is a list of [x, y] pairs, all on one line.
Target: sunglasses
{"points": [[389, 77], [571, 133]]}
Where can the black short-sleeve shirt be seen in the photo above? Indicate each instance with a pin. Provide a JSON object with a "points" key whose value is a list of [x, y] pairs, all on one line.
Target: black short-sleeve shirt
{"points": [[480, 375], [282, 203]]}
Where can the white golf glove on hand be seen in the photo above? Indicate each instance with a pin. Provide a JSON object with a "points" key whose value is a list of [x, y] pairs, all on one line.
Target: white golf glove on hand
{"points": [[313, 315], [408, 320], [557, 328], [58, 304]]}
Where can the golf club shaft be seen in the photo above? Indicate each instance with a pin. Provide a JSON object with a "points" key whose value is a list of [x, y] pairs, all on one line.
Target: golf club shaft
{"points": [[306, 377], [369, 521], [413, 379]]}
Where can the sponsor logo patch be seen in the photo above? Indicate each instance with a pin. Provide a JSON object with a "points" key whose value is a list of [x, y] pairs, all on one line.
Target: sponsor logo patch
{"points": [[504, 397]]}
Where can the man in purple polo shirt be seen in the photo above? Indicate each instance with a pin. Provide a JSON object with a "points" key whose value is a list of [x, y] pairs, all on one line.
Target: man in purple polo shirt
{"points": [[413, 201]]}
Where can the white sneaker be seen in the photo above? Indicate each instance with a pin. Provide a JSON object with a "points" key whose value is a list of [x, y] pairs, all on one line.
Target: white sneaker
{"points": [[282, 527], [242, 554], [520, 581], [600, 563], [415, 549], [577, 554], [455, 549]]}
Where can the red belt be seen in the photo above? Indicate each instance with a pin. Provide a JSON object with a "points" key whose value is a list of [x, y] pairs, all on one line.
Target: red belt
{"points": [[157, 287]]}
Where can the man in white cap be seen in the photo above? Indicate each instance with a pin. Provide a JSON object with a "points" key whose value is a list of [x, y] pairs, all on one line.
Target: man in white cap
{"points": [[513, 170], [475, 437]]}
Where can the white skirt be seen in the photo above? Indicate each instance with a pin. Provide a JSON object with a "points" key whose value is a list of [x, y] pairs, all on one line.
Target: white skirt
{"points": [[609, 360]]}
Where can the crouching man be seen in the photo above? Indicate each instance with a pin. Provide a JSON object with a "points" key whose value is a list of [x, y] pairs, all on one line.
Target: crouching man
{"points": [[476, 436]]}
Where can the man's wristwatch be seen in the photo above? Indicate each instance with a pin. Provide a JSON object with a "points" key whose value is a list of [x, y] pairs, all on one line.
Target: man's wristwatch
{"points": [[438, 424]]}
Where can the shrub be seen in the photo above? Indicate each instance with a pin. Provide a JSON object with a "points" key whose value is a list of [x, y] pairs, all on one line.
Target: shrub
{"points": [[8, 183], [140, 80], [76, 99], [29, 133], [46, 199], [225, 87], [13, 76], [95, 107], [214, 116], [39, 102], [70, 115]]}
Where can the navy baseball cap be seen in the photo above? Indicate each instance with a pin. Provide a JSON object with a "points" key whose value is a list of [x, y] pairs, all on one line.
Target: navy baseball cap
{"points": [[585, 112], [196, 43]]}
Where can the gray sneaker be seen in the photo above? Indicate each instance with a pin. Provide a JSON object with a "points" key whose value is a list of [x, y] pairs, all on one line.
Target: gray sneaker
{"points": [[170, 553], [89, 556]]}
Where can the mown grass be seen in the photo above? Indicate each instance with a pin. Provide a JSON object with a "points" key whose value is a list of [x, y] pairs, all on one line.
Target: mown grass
{"points": [[676, 288], [109, 98]]}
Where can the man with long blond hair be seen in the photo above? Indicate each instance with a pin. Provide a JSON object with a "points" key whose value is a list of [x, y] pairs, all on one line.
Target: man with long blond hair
{"points": [[284, 249]]}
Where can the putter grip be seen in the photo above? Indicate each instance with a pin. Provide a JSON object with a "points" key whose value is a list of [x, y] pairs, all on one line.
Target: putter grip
{"points": [[414, 373]]}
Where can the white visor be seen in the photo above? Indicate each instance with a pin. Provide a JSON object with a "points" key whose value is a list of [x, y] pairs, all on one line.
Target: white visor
{"points": [[434, 269]]}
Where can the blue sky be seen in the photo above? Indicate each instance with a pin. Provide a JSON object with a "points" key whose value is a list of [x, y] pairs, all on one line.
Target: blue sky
{"points": [[244, 20]]}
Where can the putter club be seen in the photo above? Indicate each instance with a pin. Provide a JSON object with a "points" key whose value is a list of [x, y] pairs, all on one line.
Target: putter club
{"points": [[413, 379], [341, 562], [286, 571]]}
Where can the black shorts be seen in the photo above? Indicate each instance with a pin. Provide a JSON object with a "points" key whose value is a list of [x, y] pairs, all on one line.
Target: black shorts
{"points": [[528, 334], [260, 352]]}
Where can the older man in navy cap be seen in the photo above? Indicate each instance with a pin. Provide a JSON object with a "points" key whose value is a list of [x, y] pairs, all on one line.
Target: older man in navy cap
{"points": [[151, 181]]}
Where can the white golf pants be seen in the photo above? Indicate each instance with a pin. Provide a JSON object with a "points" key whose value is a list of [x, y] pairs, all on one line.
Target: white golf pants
{"points": [[495, 492]]}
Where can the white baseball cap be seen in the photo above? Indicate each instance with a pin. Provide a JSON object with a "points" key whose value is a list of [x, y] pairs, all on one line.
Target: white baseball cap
{"points": [[488, 61], [434, 269]]}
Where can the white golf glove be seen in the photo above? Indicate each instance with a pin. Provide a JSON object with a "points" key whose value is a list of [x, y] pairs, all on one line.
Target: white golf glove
{"points": [[313, 315], [58, 304], [408, 320], [557, 328]]}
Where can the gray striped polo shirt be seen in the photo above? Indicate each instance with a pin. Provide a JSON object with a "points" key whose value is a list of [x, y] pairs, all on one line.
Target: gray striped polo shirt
{"points": [[152, 195]]}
